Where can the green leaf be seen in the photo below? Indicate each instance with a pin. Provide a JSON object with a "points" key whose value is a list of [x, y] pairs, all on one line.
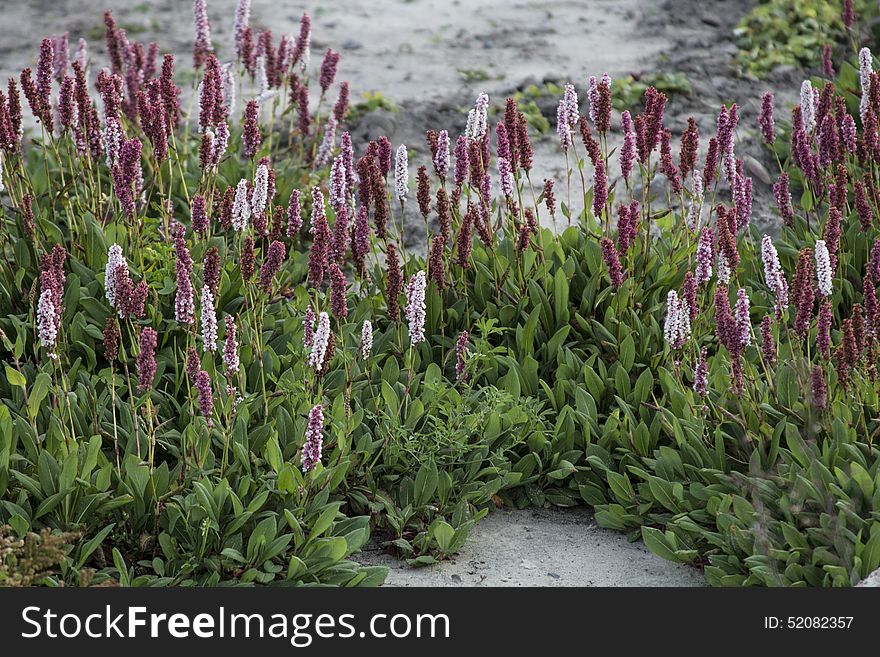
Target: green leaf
{"points": [[627, 353], [443, 533], [560, 297], [324, 522], [92, 544], [871, 554], [38, 393], [807, 199], [425, 484], [15, 377]]}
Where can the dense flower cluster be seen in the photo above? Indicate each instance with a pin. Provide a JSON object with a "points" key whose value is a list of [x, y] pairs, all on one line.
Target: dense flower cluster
{"points": [[366, 339], [314, 439], [320, 342], [209, 320], [184, 304], [146, 359], [230, 347], [677, 328], [415, 307]]}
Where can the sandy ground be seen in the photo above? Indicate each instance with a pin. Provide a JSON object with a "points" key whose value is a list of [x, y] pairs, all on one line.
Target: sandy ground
{"points": [[542, 547], [423, 56], [872, 580], [411, 50]]}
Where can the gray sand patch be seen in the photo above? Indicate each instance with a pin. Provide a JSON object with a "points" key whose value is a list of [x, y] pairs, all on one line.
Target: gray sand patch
{"points": [[541, 547]]}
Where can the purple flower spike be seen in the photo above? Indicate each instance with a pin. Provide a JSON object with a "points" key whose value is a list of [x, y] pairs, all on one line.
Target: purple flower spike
{"points": [[314, 439]]}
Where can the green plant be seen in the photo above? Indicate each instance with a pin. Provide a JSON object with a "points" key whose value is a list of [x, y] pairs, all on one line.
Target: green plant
{"points": [[431, 474], [372, 101], [791, 33], [628, 91]]}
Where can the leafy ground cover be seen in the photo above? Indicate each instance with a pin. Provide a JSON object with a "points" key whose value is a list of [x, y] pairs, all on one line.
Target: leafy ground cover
{"points": [[792, 33], [225, 365]]}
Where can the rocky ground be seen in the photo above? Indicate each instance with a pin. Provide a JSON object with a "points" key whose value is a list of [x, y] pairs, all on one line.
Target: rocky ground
{"points": [[430, 59]]}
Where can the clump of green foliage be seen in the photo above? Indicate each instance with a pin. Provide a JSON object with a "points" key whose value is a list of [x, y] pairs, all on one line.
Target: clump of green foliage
{"points": [[792, 33], [372, 101], [629, 91]]}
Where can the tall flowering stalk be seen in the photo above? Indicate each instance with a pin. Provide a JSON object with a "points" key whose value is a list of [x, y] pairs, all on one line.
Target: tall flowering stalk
{"points": [[202, 47], [401, 173], [695, 205], [251, 133], [477, 123], [808, 105], [628, 149], [823, 268], [294, 214], [230, 348], [394, 283], [211, 270], [782, 195], [320, 249], [436, 271], [274, 260], [441, 157], [314, 439], [768, 344], [146, 359], [612, 261], [46, 328], [765, 120], [701, 374], [260, 195], [241, 208], [366, 339], [209, 320], [115, 260], [205, 396], [242, 19], [199, 213], [743, 322], [328, 70], [773, 275], [600, 190], [415, 307], [677, 327], [184, 305], [818, 388], [320, 342], [804, 292], [689, 146], [360, 239], [705, 251], [563, 129], [327, 143], [309, 320], [337, 292]]}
